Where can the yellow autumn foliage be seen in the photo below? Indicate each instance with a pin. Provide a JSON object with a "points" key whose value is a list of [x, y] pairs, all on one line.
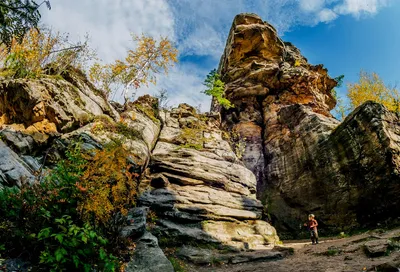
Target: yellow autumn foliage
{"points": [[39, 48], [371, 87], [107, 185], [140, 67]]}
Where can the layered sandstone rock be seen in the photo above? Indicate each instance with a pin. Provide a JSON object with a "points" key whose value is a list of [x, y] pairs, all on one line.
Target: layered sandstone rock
{"points": [[50, 105], [34, 112], [304, 161], [137, 131], [191, 178], [206, 195]]}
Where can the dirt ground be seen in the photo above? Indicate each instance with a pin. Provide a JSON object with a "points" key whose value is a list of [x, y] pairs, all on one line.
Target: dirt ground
{"points": [[330, 255]]}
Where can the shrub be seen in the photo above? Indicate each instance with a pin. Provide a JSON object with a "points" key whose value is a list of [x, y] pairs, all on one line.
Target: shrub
{"points": [[41, 50], [107, 186], [216, 88], [141, 65], [67, 243], [64, 220], [192, 138], [149, 112], [371, 87], [107, 124], [177, 264]]}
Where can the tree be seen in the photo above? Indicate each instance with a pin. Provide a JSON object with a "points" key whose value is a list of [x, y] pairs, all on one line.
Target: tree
{"points": [[371, 87], [17, 17], [339, 80], [216, 88], [42, 49], [139, 67], [340, 109], [162, 96]]}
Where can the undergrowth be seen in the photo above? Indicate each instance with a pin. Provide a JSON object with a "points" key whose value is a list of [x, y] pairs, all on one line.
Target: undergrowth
{"points": [[63, 222], [104, 123]]}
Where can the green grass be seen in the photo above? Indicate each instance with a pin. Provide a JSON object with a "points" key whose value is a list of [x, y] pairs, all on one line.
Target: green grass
{"points": [[177, 264]]}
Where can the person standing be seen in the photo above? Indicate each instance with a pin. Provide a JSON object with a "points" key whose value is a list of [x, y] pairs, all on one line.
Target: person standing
{"points": [[312, 225]]}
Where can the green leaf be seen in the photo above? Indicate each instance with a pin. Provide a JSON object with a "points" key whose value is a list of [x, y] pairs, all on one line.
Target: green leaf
{"points": [[60, 220], [75, 259], [44, 233], [102, 254], [60, 253], [60, 238], [87, 267], [84, 239], [102, 240], [92, 234], [216, 89]]}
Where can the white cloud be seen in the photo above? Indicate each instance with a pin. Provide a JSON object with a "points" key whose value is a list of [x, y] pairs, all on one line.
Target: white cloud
{"points": [[184, 84], [198, 27], [358, 7], [204, 41], [311, 5], [326, 15], [110, 22]]}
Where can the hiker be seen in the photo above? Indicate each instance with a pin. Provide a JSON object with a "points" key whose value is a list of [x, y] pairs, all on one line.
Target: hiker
{"points": [[312, 227]]}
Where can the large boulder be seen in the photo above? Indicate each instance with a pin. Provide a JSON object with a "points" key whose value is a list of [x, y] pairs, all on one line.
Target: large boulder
{"points": [[148, 257], [51, 104], [305, 161], [206, 195]]}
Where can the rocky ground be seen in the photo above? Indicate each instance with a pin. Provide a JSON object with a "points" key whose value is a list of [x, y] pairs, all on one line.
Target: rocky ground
{"points": [[370, 251]]}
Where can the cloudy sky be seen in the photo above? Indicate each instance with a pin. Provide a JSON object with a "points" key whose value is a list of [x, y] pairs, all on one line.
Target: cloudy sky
{"points": [[344, 35]]}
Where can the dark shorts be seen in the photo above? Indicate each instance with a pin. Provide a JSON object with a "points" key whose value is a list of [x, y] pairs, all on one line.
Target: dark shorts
{"points": [[314, 234]]}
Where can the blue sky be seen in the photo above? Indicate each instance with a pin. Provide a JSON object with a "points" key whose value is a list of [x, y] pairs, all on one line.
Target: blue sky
{"points": [[344, 35], [351, 44]]}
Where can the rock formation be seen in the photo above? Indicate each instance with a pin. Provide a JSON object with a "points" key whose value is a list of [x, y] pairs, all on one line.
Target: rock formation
{"points": [[203, 193], [195, 187], [347, 174], [192, 182]]}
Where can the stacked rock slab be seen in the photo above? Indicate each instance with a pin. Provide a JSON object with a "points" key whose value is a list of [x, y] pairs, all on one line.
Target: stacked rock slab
{"points": [[304, 160], [199, 190], [33, 112]]}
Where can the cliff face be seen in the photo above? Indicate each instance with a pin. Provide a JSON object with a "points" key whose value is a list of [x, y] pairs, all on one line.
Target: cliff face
{"points": [[199, 188], [303, 159], [192, 182]]}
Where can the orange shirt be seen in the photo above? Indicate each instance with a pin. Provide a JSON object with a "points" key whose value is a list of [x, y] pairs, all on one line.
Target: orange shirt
{"points": [[312, 224]]}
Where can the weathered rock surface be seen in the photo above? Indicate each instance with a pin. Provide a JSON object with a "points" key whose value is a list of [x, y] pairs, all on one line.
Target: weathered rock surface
{"points": [[259, 69], [148, 257], [13, 170], [304, 161], [136, 131], [50, 105], [136, 223], [376, 248], [209, 256], [207, 195]]}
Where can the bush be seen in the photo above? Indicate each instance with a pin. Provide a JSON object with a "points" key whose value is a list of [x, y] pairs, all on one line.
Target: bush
{"points": [[371, 87], [41, 50], [64, 220], [71, 244], [216, 88], [192, 138]]}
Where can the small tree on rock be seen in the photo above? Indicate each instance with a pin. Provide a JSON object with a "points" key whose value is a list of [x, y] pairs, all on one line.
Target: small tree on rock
{"points": [[140, 66], [216, 89]]}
